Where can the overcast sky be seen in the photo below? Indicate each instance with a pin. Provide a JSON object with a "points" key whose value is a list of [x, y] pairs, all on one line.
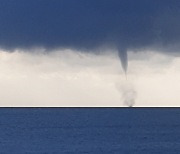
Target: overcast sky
{"points": [[76, 53]]}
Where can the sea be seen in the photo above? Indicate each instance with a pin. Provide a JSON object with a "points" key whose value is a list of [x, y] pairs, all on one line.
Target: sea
{"points": [[89, 130]]}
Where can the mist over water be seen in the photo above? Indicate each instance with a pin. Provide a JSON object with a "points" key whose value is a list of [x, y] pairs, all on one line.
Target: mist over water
{"points": [[128, 93]]}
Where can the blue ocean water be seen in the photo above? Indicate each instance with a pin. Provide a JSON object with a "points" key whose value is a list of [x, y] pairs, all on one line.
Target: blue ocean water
{"points": [[89, 130]]}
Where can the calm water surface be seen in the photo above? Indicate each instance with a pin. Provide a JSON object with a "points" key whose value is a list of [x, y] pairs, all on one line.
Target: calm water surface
{"points": [[89, 130]]}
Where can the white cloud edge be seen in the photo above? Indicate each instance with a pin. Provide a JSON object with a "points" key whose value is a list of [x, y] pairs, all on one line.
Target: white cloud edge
{"points": [[67, 78]]}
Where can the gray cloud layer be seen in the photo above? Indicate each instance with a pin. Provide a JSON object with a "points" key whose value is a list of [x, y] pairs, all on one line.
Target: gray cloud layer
{"points": [[88, 24]]}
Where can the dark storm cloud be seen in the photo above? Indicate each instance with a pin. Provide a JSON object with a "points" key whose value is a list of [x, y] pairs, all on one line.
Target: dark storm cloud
{"points": [[87, 24]]}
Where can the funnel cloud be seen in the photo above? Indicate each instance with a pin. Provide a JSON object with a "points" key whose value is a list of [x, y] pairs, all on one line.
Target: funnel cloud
{"points": [[124, 58]]}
